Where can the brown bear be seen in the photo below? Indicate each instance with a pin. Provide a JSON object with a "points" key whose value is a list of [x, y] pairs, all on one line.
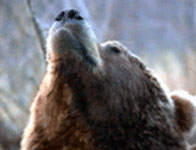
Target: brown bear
{"points": [[99, 96]]}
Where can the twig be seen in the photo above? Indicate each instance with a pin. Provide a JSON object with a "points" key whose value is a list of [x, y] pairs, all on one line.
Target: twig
{"points": [[25, 111], [38, 30]]}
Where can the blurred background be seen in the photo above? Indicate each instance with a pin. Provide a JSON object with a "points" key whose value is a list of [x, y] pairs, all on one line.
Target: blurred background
{"points": [[161, 32]]}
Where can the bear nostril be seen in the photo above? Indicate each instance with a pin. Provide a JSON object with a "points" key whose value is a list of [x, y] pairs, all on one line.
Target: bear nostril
{"points": [[78, 18], [60, 16], [72, 13]]}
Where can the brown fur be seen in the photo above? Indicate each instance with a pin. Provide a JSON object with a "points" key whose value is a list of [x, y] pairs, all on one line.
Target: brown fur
{"points": [[53, 123], [185, 112], [98, 97]]}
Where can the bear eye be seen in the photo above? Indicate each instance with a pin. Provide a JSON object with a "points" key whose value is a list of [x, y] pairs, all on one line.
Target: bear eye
{"points": [[115, 49]]}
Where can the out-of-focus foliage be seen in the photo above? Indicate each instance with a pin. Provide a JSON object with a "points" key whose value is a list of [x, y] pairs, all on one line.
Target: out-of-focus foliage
{"points": [[162, 32]]}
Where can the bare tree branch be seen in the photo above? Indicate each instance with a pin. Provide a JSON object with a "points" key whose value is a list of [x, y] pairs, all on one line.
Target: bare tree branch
{"points": [[84, 10], [38, 29], [8, 113], [13, 100], [108, 16]]}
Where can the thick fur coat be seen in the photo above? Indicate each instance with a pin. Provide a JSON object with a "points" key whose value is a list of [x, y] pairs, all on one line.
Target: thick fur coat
{"points": [[99, 96]]}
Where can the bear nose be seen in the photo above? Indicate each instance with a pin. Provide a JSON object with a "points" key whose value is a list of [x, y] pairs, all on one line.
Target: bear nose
{"points": [[74, 14], [70, 14]]}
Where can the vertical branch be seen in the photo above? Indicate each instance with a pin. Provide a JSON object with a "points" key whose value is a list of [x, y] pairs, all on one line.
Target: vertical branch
{"points": [[38, 29], [113, 6], [82, 6], [190, 23], [108, 16]]}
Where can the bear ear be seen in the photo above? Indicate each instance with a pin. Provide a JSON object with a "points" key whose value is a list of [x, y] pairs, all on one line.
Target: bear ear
{"points": [[185, 110]]}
